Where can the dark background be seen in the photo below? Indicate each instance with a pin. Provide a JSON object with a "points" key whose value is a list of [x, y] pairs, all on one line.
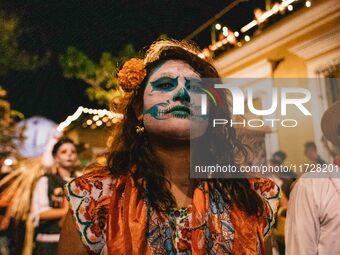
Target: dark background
{"points": [[94, 27]]}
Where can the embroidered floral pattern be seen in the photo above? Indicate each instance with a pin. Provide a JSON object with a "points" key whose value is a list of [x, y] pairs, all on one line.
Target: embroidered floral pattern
{"points": [[82, 184], [89, 198], [220, 217], [180, 226], [271, 195]]}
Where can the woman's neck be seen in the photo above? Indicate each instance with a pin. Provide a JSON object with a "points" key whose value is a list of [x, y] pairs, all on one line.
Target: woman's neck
{"points": [[175, 157]]}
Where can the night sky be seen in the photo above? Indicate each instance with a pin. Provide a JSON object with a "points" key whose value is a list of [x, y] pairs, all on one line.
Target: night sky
{"points": [[94, 27]]}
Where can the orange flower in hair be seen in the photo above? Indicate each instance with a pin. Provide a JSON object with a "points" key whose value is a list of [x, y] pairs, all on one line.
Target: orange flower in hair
{"points": [[132, 74]]}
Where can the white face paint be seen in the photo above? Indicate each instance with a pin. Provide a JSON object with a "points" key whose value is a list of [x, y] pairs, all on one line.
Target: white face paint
{"points": [[170, 109], [66, 156]]}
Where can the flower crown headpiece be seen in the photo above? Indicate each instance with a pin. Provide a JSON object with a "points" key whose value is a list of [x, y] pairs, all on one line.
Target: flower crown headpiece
{"points": [[133, 72]]}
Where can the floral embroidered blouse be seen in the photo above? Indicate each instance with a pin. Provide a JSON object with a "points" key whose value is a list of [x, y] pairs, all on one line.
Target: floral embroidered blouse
{"points": [[180, 222], [89, 198]]}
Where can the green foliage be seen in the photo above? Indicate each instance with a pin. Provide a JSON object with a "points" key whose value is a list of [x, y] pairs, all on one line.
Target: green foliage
{"points": [[7, 125], [102, 76], [12, 56]]}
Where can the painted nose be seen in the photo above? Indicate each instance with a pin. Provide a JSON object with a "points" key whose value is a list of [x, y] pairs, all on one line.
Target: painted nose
{"points": [[182, 95]]}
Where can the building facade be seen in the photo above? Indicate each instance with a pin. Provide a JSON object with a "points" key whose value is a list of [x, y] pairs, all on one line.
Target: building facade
{"points": [[304, 46]]}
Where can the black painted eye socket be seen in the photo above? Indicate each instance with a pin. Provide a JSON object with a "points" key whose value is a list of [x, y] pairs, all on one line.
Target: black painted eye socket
{"points": [[165, 86]]}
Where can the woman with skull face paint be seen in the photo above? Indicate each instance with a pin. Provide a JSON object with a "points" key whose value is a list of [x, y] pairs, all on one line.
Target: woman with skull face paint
{"points": [[143, 201], [48, 202]]}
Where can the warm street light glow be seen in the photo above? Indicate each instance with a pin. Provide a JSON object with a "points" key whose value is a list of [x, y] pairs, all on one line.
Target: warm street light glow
{"points": [[8, 162], [218, 26], [262, 17], [287, 2], [80, 110], [201, 55], [249, 26]]}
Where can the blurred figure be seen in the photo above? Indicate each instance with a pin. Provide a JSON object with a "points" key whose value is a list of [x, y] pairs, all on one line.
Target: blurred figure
{"points": [[313, 220], [48, 203], [312, 154], [10, 241], [284, 181], [16, 189], [277, 159], [331, 130], [4, 217]]}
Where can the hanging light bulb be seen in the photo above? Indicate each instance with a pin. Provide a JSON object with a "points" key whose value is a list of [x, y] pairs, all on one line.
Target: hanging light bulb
{"points": [[8, 162]]}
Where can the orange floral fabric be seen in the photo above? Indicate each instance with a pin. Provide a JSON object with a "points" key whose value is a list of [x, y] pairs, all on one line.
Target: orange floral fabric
{"points": [[128, 225]]}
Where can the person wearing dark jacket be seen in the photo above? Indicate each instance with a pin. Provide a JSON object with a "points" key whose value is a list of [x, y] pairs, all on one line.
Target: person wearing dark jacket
{"points": [[48, 202]]}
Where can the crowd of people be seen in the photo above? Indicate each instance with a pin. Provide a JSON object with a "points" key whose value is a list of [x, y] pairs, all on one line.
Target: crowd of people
{"points": [[140, 200]]}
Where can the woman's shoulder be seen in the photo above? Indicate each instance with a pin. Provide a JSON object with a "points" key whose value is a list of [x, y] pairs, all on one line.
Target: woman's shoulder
{"points": [[89, 199], [265, 187], [95, 178], [95, 184]]}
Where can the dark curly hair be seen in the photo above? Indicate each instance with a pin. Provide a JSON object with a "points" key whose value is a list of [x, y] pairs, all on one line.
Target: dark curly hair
{"points": [[60, 143], [128, 149]]}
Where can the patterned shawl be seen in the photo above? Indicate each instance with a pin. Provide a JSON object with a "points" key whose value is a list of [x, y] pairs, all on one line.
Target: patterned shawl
{"points": [[129, 216]]}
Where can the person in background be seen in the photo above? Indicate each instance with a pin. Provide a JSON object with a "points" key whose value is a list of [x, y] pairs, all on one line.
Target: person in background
{"points": [[331, 130], [5, 198], [313, 219], [283, 180], [312, 154], [48, 202]]}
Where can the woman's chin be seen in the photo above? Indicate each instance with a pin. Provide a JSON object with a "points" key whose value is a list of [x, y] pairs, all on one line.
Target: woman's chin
{"points": [[179, 133], [176, 128]]}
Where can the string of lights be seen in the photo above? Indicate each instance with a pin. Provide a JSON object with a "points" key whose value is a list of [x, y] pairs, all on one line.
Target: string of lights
{"points": [[237, 38], [98, 117]]}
